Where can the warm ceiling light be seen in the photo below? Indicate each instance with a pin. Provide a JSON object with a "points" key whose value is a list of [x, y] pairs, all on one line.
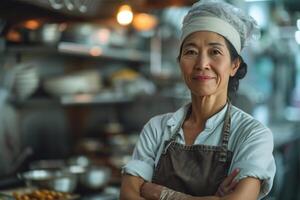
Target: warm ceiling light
{"points": [[125, 15], [31, 24], [14, 36], [144, 22]]}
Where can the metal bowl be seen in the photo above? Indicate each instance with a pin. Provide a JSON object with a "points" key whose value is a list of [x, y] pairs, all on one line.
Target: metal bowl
{"points": [[47, 164], [96, 177], [50, 179], [80, 160], [91, 177]]}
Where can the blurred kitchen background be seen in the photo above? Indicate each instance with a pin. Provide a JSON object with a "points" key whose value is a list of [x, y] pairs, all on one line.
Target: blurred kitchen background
{"points": [[80, 78]]}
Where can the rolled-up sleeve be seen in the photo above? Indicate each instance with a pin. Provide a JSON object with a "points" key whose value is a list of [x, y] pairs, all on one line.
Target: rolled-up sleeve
{"points": [[254, 157], [144, 154]]}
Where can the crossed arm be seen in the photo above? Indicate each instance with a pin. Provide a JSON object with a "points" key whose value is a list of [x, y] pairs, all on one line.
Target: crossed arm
{"points": [[135, 188]]}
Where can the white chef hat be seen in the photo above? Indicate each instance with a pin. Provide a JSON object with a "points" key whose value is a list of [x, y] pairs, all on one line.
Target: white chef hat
{"points": [[222, 18]]}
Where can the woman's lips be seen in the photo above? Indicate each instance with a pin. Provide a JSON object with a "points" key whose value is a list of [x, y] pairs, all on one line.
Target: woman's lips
{"points": [[203, 77]]}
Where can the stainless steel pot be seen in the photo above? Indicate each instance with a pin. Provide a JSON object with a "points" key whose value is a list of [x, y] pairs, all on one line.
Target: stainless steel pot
{"points": [[96, 177], [47, 164], [90, 177], [50, 179]]}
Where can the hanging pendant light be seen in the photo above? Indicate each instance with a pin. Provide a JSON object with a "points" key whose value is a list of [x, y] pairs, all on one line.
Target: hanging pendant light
{"points": [[125, 15]]}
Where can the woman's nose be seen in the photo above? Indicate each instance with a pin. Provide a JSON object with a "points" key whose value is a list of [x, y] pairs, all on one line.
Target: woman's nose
{"points": [[202, 62]]}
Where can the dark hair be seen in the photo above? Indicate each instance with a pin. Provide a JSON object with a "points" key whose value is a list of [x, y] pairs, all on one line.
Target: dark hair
{"points": [[233, 84]]}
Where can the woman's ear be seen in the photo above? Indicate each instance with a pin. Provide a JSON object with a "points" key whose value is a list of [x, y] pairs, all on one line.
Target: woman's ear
{"points": [[235, 66]]}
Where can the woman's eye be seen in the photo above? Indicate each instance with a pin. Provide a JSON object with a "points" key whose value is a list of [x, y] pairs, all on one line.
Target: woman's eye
{"points": [[215, 52], [190, 52]]}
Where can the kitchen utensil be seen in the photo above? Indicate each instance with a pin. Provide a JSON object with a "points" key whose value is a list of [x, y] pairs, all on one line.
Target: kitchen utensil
{"points": [[90, 177], [50, 179], [47, 164], [91, 146], [79, 82], [87, 33], [26, 80], [79, 161], [96, 177], [47, 34]]}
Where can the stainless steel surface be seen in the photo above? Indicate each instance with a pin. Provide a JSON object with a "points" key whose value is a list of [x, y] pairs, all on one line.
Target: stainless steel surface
{"points": [[85, 81], [6, 197], [80, 160], [105, 52], [93, 177], [47, 33], [96, 177], [47, 164], [74, 7], [50, 179]]}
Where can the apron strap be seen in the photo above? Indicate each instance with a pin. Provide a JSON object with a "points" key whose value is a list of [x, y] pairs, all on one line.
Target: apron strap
{"points": [[176, 133], [169, 142], [225, 135]]}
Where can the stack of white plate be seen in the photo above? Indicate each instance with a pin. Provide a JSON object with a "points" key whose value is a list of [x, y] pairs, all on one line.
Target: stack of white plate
{"points": [[76, 83], [26, 81]]}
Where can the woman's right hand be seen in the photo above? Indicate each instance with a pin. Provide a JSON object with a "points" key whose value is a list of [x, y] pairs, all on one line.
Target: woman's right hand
{"points": [[228, 184], [130, 187], [151, 191]]}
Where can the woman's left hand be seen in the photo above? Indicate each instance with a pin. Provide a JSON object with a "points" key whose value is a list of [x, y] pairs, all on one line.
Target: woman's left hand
{"points": [[151, 191]]}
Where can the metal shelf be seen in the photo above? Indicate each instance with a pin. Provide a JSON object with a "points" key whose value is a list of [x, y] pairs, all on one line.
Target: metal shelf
{"points": [[69, 48], [74, 100], [30, 48], [104, 52], [87, 99]]}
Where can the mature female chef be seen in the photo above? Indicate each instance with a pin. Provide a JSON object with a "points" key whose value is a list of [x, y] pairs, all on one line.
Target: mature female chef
{"points": [[187, 154]]}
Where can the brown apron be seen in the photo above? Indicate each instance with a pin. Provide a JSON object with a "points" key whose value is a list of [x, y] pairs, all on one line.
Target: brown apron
{"points": [[196, 170]]}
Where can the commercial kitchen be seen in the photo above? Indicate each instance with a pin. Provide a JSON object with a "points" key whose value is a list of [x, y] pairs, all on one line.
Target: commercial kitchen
{"points": [[80, 78]]}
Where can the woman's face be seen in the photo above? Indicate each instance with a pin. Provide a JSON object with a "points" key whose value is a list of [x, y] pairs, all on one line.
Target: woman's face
{"points": [[206, 64]]}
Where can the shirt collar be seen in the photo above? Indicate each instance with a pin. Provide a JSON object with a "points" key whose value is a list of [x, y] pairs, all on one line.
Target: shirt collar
{"points": [[178, 117], [216, 119]]}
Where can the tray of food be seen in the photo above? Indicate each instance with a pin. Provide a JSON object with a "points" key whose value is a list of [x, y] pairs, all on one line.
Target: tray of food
{"points": [[36, 194]]}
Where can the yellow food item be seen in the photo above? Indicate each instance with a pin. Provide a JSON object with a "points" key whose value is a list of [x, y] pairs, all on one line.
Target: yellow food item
{"points": [[125, 74], [42, 194]]}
